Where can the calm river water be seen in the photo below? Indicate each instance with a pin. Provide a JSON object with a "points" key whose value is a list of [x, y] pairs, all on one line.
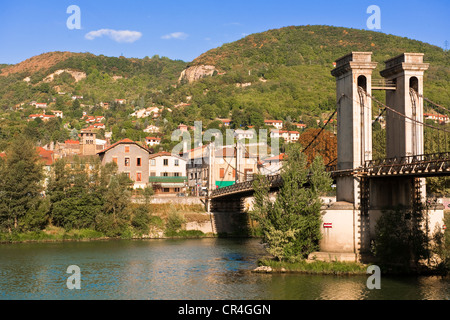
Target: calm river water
{"points": [[215, 269]]}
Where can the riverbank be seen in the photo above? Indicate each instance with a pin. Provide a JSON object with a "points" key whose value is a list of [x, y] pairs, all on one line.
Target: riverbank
{"points": [[311, 267]]}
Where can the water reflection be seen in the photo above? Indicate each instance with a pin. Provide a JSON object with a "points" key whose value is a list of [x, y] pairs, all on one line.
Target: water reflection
{"points": [[216, 269]]}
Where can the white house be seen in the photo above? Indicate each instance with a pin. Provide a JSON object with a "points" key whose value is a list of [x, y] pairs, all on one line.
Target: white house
{"points": [[274, 123], [167, 173], [152, 129], [152, 141], [41, 105], [244, 134], [288, 136], [58, 113]]}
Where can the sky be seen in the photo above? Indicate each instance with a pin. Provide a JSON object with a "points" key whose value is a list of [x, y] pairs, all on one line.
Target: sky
{"points": [[184, 29]]}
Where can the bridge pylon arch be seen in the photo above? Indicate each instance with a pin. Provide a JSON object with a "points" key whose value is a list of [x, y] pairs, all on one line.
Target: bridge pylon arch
{"points": [[353, 75]]}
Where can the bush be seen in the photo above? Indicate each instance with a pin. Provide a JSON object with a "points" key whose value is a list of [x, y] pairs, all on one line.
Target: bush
{"points": [[174, 223], [400, 242], [141, 220]]}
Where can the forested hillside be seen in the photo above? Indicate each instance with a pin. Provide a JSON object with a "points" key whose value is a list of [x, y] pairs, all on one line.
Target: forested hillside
{"points": [[278, 74]]}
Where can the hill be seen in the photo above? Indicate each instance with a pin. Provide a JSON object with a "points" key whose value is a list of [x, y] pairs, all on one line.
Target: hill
{"points": [[286, 72], [279, 74], [100, 78]]}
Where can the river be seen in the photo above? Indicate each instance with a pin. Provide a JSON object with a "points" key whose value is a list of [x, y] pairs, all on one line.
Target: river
{"points": [[200, 269]]}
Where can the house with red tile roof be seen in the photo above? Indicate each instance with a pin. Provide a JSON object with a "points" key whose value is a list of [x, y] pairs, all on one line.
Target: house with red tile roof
{"points": [[43, 117], [131, 158], [274, 123], [152, 141]]}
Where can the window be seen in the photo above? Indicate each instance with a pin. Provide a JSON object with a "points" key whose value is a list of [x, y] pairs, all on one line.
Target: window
{"points": [[166, 190], [127, 149], [138, 162], [165, 174], [127, 162], [222, 173], [138, 176], [176, 174], [152, 174], [177, 163], [114, 160], [153, 162], [177, 189], [166, 162]]}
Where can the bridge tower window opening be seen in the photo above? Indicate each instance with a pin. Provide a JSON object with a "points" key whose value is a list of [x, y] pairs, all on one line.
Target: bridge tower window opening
{"points": [[362, 82], [414, 84]]}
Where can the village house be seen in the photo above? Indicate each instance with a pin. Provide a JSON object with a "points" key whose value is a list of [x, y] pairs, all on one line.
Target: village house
{"points": [[274, 123], [67, 149], [152, 129], [57, 113], [43, 117], [167, 173], [288, 136], [93, 119], [300, 126], [120, 101], [230, 168], [152, 141], [183, 128], [131, 158], [41, 105], [225, 122], [272, 165], [147, 112], [244, 134], [437, 118], [97, 126], [197, 170]]}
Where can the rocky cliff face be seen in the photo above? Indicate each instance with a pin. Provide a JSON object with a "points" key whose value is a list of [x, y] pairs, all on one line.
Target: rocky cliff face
{"points": [[195, 73]]}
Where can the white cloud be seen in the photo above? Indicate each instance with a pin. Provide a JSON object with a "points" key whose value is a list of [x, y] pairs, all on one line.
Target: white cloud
{"points": [[175, 35], [116, 35]]}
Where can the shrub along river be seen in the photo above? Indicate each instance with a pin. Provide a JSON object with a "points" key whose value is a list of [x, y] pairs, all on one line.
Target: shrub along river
{"points": [[216, 269]]}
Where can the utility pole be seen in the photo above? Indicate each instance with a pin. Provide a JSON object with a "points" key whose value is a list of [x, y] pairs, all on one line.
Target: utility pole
{"points": [[237, 162], [210, 176]]}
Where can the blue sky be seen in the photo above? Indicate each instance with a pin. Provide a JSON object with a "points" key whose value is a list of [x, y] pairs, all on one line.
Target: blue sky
{"points": [[185, 29]]}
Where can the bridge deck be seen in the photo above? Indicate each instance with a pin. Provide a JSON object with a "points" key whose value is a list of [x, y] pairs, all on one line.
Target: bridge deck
{"points": [[429, 165]]}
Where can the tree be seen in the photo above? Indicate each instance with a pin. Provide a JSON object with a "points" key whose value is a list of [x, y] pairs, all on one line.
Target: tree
{"points": [[114, 217], [21, 177], [291, 224], [75, 194], [325, 145]]}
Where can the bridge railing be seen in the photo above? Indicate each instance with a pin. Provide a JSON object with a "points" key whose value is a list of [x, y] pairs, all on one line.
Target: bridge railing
{"points": [[414, 163], [245, 186]]}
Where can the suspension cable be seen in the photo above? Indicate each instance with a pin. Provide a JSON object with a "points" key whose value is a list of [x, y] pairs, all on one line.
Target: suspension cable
{"points": [[401, 114], [323, 128]]}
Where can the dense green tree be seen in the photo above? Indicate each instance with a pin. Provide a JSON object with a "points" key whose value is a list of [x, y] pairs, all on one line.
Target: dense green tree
{"points": [[21, 185], [291, 224]]}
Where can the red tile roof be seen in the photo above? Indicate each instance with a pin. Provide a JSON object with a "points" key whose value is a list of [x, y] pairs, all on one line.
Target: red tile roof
{"points": [[45, 155], [124, 141], [72, 142]]}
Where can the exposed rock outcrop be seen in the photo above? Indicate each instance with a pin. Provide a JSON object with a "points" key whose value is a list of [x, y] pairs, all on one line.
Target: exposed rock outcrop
{"points": [[194, 73], [77, 75]]}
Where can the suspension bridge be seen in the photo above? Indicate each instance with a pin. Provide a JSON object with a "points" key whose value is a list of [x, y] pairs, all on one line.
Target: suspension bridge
{"points": [[366, 186]]}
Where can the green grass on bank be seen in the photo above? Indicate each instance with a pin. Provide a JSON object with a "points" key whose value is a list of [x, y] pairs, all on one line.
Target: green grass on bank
{"points": [[55, 234], [316, 267]]}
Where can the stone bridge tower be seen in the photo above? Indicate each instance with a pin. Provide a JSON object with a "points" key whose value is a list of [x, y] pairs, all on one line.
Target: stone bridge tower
{"points": [[353, 73], [404, 134]]}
